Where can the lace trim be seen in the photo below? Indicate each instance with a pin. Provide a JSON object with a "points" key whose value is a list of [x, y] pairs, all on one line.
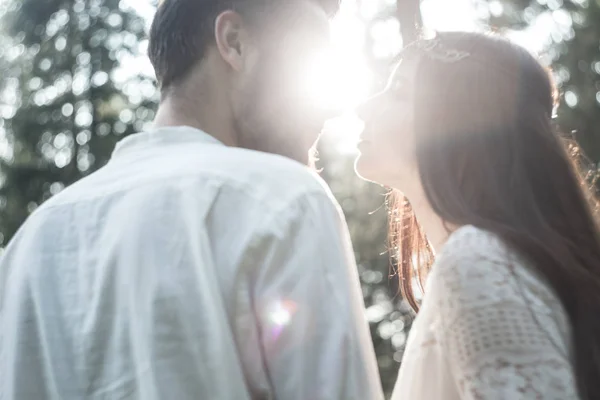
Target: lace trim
{"points": [[501, 328], [505, 379]]}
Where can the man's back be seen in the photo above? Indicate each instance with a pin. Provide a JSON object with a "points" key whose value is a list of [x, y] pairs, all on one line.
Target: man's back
{"points": [[185, 269]]}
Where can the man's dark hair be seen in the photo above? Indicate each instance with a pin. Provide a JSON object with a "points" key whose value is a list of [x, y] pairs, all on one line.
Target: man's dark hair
{"points": [[182, 30]]}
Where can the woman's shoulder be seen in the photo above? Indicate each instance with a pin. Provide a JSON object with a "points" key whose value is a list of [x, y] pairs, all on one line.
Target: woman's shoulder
{"points": [[478, 265], [478, 269], [471, 260], [487, 297], [474, 248], [471, 239]]}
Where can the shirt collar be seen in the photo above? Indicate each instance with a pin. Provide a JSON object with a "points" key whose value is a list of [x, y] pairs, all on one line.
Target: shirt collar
{"points": [[160, 137]]}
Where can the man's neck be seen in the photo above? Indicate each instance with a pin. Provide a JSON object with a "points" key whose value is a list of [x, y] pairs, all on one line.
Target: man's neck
{"points": [[175, 111]]}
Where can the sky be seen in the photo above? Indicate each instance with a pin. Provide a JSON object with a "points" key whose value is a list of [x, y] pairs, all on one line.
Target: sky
{"points": [[347, 81], [348, 32], [441, 15]]}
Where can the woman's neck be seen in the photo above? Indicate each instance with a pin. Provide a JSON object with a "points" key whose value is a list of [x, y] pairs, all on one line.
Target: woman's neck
{"points": [[432, 224]]}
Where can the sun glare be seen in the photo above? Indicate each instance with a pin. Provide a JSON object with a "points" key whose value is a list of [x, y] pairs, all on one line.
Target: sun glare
{"points": [[337, 81], [340, 77]]}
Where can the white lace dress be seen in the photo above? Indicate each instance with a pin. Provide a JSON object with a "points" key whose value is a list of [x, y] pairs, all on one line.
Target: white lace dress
{"points": [[489, 328]]}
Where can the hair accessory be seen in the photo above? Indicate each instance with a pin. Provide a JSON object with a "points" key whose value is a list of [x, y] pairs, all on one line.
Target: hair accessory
{"points": [[434, 49]]}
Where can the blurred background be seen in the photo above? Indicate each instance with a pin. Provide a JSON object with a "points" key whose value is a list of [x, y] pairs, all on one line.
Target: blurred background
{"points": [[74, 80]]}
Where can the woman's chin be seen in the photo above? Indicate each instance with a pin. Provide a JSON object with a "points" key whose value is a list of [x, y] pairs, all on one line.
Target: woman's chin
{"points": [[372, 170], [364, 168]]}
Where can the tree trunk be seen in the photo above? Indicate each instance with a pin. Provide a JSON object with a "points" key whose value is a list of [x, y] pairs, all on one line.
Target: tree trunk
{"points": [[408, 13]]}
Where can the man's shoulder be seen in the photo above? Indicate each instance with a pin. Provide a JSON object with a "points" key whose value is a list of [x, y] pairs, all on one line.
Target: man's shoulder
{"points": [[279, 171], [268, 178], [266, 174]]}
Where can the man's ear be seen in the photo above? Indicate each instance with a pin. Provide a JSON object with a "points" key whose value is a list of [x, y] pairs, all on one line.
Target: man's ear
{"points": [[232, 39]]}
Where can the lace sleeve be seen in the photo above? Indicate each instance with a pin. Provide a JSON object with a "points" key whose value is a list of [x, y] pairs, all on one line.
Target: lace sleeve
{"points": [[498, 325]]}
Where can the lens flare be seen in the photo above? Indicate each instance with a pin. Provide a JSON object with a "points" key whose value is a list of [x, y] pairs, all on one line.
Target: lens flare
{"points": [[279, 315]]}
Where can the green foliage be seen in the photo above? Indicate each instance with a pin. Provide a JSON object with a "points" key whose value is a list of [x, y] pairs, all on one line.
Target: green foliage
{"points": [[65, 101], [574, 56], [364, 204], [366, 214]]}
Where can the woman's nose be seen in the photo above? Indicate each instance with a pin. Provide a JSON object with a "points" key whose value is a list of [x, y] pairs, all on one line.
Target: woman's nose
{"points": [[365, 109]]}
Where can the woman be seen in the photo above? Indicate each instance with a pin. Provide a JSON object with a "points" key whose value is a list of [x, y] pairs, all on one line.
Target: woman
{"points": [[511, 308]]}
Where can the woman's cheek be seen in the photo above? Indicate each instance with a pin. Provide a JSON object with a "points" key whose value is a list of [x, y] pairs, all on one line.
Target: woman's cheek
{"points": [[399, 144]]}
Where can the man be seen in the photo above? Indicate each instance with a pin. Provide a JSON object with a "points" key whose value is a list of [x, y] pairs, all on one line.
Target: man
{"points": [[205, 261]]}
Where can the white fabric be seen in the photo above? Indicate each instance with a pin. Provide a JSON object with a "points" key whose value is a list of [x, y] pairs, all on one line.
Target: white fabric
{"points": [[185, 269], [489, 328]]}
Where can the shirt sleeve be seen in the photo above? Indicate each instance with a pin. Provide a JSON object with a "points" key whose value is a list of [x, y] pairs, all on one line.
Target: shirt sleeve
{"points": [[497, 329], [309, 307]]}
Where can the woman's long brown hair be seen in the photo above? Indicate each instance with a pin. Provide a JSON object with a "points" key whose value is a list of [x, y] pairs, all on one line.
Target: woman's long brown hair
{"points": [[489, 156]]}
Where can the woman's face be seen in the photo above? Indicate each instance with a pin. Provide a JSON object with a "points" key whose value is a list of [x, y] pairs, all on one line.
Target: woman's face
{"points": [[387, 144]]}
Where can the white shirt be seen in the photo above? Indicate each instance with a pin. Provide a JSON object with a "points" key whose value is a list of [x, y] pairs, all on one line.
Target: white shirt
{"points": [[489, 328], [185, 269]]}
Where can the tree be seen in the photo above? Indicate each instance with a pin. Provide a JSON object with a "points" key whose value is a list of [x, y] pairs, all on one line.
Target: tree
{"points": [[364, 203], [65, 100], [366, 214], [573, 53]]}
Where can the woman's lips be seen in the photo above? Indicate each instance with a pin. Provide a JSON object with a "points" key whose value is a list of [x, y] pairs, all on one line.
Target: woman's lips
{"points": [[363, 144]]}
